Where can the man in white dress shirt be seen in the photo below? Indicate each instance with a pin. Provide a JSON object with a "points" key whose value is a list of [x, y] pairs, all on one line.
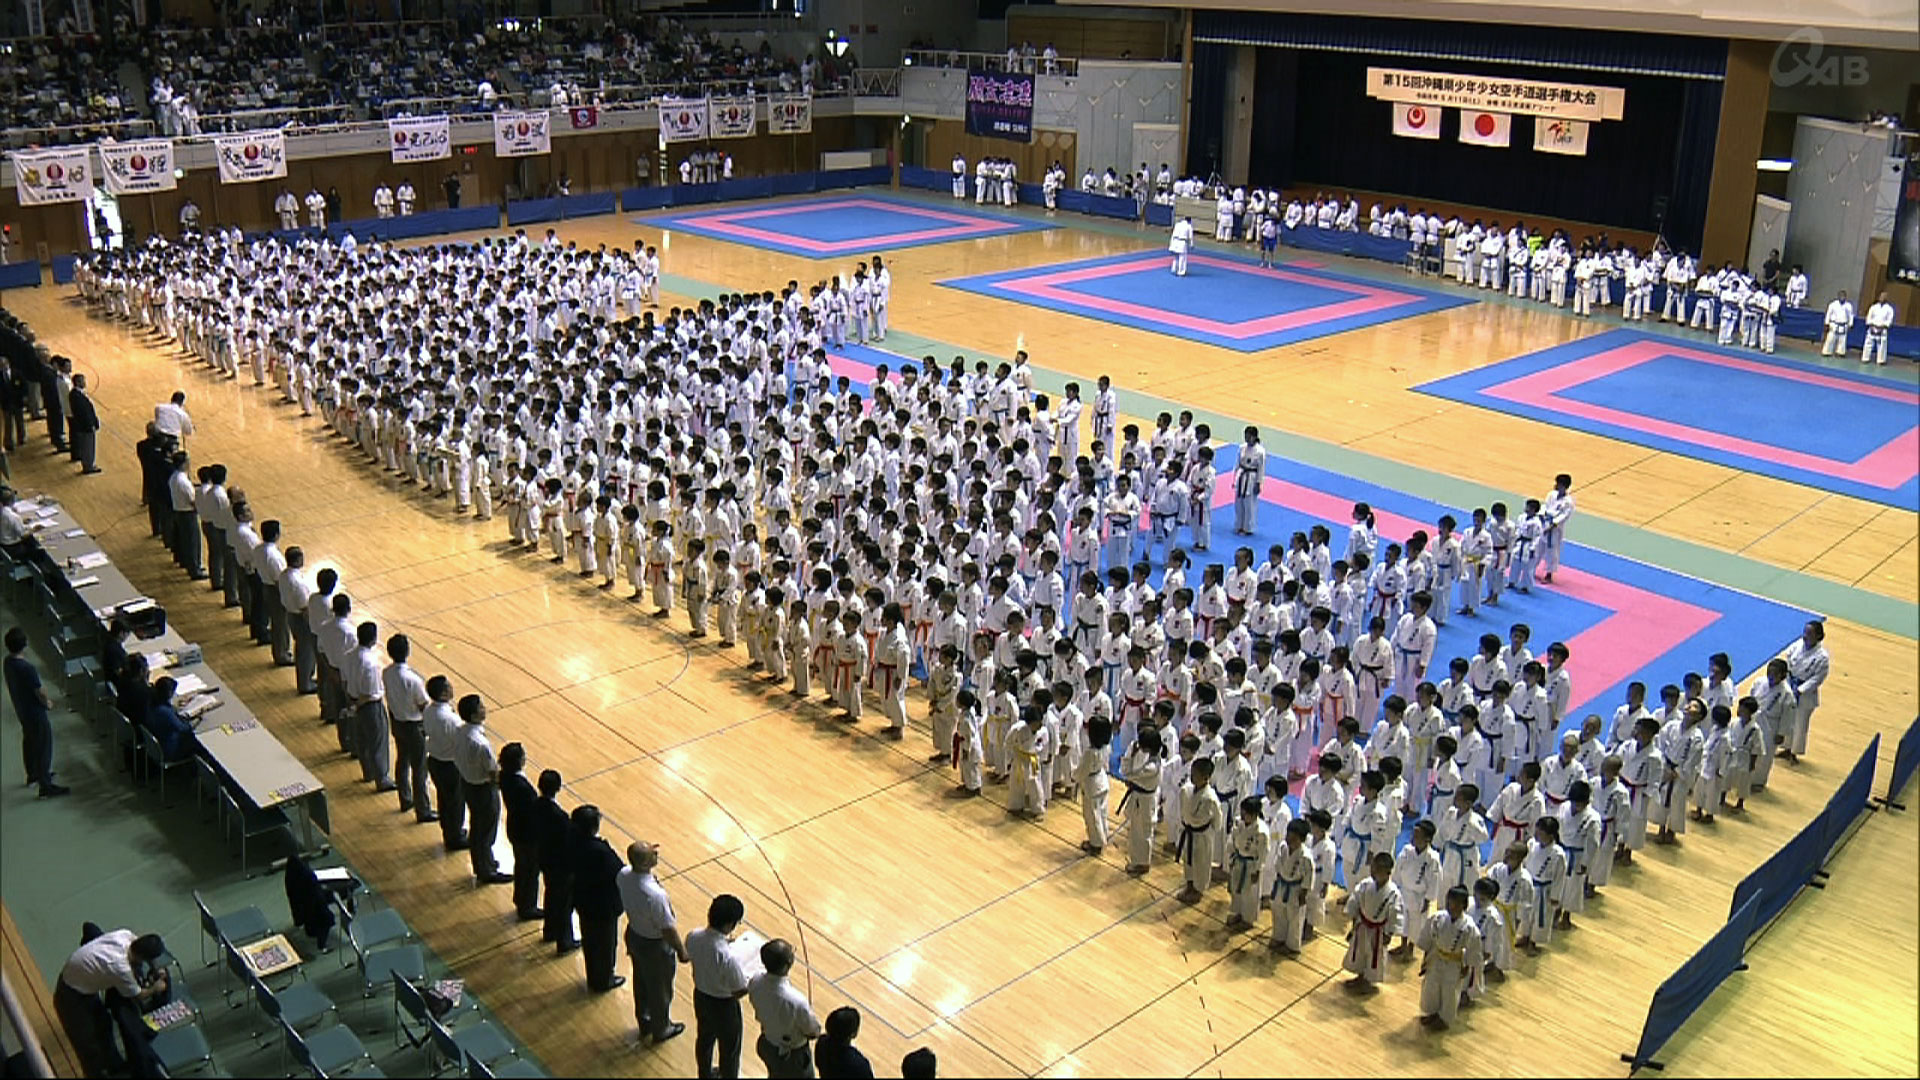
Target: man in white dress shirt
{"points": [[653, 943], [719, 982], [407, 703], [367, 700], [787, 1023], [171, 417]]}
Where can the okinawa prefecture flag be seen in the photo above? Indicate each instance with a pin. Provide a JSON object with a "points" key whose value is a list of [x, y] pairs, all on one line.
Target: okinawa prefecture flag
{"points": [[1486, 128], [683, 119], [251, 157], [420, 138], [137, 168], [1416, 121], [53, 176], [1560, 136], [519, 134], [730, 117]]}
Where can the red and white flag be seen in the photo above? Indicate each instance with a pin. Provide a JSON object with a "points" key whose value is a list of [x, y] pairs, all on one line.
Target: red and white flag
{"points": [[1486, 128], [586, 116], [1416, 121]]}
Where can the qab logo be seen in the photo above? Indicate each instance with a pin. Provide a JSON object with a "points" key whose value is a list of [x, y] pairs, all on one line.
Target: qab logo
{"points": [[1802, 60]]}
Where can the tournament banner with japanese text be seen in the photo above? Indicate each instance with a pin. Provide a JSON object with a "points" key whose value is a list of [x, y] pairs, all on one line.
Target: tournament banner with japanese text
{"points": [[1560, 136], [53, 176], [730, 117], [789, 114], [251, 157], [137, 168], [521, 134], [1000, 105], [1499, 94], [683, 119], [420, 138]]}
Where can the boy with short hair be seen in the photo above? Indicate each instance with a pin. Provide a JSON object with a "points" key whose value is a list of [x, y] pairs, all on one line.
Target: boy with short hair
{"points": [[1199, 817], [1452, 941], [1417, 872], [1293, 884], [1246, 852], [1378, 914]]}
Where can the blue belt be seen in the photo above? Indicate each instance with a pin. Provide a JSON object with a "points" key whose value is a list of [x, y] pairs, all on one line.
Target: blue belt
{"points": [[1283, 889]]}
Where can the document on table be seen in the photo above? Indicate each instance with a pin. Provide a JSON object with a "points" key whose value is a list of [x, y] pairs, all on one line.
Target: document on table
{"points": [[189, 684], [92, 560]]}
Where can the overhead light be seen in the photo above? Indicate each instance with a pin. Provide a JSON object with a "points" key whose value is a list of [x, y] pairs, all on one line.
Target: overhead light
{"points": [[906, 61], [1774, 165]]}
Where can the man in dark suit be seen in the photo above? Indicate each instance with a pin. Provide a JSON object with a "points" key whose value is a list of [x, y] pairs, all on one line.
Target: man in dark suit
{"points": [[596, 896], [522, 805], [156, 468], [552, 831], [83, 425]]}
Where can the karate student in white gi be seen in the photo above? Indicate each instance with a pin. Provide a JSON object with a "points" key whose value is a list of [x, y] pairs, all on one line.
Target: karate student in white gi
{"points": [[383, 201], [959, 177], [1451, 939], [1879, 323], [1839, 323], [1180, 244], [404, 195], [1797, 285], [288, 207], [1249, 475], [316, 209]]}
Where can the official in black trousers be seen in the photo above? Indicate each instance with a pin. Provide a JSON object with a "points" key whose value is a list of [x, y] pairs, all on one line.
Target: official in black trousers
{"points": [[555, 839], [83, 426], [521, 802], [596, 897]]}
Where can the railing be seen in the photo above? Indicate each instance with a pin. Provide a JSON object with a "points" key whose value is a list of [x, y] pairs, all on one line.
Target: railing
{"points": [[52, 134], [287, 116], [987, 61], [876, 82], [23, 1035]]}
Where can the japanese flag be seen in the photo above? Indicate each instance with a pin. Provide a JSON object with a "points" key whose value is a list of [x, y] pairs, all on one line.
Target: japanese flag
{"points": [[1486, 128], [1416, 121]]}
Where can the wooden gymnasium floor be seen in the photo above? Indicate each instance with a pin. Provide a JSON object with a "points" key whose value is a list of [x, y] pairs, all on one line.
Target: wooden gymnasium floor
{"points": [[993, 941]]}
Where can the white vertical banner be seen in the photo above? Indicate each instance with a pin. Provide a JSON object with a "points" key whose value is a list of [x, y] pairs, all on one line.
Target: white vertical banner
{"points": [[730, 117], [420, 138], [1415, 121], [683, 119], [521, 134], [1560, 136], [251, 157], [60, 175], [789, 114], [137, 168]]}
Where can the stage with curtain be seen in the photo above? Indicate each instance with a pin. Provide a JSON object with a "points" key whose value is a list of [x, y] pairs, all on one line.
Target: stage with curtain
{"points": [[1313, 125]]}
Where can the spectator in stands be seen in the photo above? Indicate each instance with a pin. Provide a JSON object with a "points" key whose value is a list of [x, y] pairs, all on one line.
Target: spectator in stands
{"points": [[33, 708]]}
